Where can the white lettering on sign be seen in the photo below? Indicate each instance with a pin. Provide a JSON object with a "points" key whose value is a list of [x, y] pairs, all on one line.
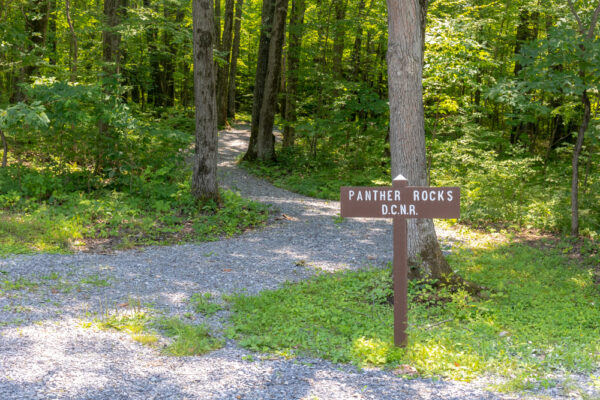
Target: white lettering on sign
{"points": [[398, 209], [432, 195], [374, 195]]}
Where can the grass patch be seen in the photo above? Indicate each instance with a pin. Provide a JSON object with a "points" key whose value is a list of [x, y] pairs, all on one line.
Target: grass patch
{"points": [[203, 304], [43, 211], [188, 339], [147, 329], [541, 316]]}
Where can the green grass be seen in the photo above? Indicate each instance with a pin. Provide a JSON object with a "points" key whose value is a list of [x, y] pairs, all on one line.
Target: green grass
{"points": [[146, 328], [203, 305], [188, 339], [61, 216], [540, 316]]}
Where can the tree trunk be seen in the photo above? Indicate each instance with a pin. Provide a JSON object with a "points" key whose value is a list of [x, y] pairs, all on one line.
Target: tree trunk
{"points": [[5, 149], [204, 178], [167, 84], [111, 57], [217, 25], [339, 34], [407, 130], [356, 56], [262, 60], [265, 149], [296, 31], [36, 29], [575, 164], [235, 51], [52, 57], [74, 45], [111, 38], [223, 71], [586, 34]]}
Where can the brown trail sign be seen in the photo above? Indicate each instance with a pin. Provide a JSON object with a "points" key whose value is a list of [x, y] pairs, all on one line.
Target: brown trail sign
{"points": [[400, 202]]}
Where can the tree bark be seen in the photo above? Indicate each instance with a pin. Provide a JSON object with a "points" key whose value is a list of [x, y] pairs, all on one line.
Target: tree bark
{"points": [[111, 38], [575, 164], [223, 71], [339, 34], [235, 51], [168, 61], [265, 149], [74, 44], [5, 149], [268, 10], [296, 30], [407, 130], [217, 24], [204, 178], [586, 34]]}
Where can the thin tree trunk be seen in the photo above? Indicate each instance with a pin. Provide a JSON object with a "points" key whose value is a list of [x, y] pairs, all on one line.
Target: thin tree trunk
{"points": [[296, 31], [235, 51], [586, 34], [217, 25], [223, 71], [204, 178], [74, 42], [53, 11], [265, 149], [407, 130], [339, 34], [167, 84], [5, 148], [575, 164]]}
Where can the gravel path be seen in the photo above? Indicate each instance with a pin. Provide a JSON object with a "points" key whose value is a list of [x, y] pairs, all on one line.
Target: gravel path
{"points": [[47, 353]]}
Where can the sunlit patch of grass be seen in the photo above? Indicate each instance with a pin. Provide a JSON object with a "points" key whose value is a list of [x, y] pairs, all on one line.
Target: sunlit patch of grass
{"points": [[539, 317], [188, 339]]}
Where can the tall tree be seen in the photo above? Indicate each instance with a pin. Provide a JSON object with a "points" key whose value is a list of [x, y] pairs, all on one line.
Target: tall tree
{"points": [[296, 31], [204, 178], [262, 141], [586, 35], [235, 51], [406, 20], [74, 45], [339, 35], [223, 70]]}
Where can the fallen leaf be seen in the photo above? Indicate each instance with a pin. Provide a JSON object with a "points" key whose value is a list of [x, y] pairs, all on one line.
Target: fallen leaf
{"points": [[226, 269]]}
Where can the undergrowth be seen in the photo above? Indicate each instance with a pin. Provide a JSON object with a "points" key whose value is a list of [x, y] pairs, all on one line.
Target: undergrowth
{"points": [[500, 184], [40, 211], [540, 316]]}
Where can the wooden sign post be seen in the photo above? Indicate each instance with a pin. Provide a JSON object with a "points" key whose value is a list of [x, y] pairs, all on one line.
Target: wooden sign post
{"points": [[400, 202]]}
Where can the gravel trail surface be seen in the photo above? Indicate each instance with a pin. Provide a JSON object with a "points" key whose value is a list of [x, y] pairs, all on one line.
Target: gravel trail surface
{"points": [[47, 351]]}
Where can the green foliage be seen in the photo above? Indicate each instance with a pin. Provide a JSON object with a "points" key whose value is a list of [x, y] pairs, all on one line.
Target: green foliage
{"points": [[42, 211], [203, 305], [539, 316], [188, 340]]}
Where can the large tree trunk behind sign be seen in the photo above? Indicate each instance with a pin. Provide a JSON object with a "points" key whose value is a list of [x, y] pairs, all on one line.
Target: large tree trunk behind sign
{"points": [[204, 179], [407, 130]]}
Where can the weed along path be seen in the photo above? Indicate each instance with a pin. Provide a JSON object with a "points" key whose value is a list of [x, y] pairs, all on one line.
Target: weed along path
{"points": [[52, 309]]}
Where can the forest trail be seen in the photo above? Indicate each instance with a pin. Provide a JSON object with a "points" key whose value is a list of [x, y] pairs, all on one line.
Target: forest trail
{"points": [[48, 350]]}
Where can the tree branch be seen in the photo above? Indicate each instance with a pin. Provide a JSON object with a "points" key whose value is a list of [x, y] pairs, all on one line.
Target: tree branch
{"points": [[590, 33], [579, 23]]}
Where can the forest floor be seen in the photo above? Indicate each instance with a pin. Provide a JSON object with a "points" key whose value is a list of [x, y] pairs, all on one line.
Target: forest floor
{"points": [[52, 309]]}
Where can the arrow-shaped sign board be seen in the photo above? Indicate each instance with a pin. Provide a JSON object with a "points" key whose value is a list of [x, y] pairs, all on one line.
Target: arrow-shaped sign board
{"points": [[400, 202]]}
